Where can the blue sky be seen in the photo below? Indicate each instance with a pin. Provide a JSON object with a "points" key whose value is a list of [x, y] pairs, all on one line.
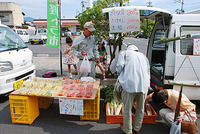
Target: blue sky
{"points": [[69, 8]]}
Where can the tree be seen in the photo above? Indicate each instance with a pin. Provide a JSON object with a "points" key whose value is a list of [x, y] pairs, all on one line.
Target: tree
{"points": [[96, 15]]}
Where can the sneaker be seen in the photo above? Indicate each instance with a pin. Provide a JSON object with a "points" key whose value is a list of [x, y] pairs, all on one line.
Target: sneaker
{"points": [[70, 76]]}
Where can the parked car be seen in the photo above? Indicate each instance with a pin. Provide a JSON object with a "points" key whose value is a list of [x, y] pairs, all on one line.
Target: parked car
{"points": [[23, 34], [140, 35], [16, 61]]}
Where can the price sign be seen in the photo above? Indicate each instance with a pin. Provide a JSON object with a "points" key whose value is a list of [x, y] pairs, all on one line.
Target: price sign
{"points": [[124, 20], [71, 106], [196, 47]]}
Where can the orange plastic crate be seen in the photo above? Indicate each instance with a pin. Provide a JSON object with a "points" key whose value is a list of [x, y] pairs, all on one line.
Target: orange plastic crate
{"points": [[23, 109], [91, 108], [148, 119], [45, 102]]}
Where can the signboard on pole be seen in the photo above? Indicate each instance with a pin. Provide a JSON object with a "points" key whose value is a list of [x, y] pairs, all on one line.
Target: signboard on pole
{"points": [[53, 26], [71, 106], [124, 20]]}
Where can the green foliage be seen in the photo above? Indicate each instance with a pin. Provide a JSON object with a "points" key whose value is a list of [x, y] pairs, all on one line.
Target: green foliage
{"points": [[107, 93], [146, 25]]}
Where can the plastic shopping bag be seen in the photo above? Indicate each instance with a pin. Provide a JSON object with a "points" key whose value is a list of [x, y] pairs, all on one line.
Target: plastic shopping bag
{"points": [[175, 129], [85, 65]]}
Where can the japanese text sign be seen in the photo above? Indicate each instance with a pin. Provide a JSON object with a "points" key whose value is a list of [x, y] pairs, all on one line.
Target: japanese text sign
{"points": [[53, 31], [124, 20], [196, 47], [71, 106]]}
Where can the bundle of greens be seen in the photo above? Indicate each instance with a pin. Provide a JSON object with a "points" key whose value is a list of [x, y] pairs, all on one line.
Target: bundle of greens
{"points": [[107, 93]]}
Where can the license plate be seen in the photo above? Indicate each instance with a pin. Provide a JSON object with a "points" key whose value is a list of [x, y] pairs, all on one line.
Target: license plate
{"points": [[35, 40], [18, 84]]}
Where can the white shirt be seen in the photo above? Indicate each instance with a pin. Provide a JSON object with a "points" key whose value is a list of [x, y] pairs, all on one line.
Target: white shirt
{"points": [[134, 71]]}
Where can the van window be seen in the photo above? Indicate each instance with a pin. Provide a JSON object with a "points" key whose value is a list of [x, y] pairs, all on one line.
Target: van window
{"points": [[20, 32], [158, 35], [186, 45], [9, 40]]}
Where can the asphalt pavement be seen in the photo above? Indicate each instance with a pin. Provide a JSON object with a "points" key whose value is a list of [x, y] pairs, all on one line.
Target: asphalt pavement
{"points": [[50, 121]]}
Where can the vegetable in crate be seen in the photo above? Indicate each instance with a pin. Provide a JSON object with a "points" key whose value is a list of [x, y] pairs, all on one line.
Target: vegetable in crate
{"points": [[107, 93], [79, 94], [88, 94], [70, 93]]}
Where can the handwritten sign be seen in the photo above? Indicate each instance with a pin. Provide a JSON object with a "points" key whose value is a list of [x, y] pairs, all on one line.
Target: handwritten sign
{"points": [[124, 20], [196, 47], [71, 106]]}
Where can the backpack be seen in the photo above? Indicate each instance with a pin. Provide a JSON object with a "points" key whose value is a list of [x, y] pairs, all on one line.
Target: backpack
{"points": [[50, 74]]}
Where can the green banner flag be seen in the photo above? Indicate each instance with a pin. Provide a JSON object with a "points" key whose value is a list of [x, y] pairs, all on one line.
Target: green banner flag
{"points": [[53, 26]]}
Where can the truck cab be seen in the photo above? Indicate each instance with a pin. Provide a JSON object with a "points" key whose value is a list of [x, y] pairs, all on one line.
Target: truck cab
{"points": [[16, 61]]}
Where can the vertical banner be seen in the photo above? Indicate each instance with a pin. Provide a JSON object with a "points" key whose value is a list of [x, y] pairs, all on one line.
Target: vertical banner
{"points": [[124, 20], [53, 32]]}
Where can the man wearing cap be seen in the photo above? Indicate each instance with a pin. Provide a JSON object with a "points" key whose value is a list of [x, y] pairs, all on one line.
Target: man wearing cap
{"points": [[134, 78], [85, 45]]}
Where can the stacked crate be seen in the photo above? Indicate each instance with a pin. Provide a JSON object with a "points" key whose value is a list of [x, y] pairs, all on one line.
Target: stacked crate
{"points": [[23, 109], [45, 102], [91, 108]]}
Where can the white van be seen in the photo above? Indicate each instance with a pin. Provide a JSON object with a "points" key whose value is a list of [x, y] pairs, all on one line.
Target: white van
{"points": [[23, 34], [16, 61], [176, 62]]}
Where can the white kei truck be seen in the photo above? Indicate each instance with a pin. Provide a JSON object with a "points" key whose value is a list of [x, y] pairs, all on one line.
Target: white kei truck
{"points": [[40, 37], [177, 62], [16, 61]]}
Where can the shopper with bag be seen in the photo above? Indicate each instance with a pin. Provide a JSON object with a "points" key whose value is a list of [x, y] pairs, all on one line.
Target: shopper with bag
{"points": [[134, 78], [85, 46], [170, 98]]}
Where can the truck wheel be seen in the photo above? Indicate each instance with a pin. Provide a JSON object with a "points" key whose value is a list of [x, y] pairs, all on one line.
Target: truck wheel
{"points": [[32, 42]]}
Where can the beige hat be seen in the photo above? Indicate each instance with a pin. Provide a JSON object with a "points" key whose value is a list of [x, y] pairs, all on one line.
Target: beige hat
{"points": [[90, 26]]}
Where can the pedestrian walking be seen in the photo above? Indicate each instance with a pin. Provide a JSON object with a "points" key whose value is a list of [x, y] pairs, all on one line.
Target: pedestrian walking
{"points": [[85, 45], [134, 78]]}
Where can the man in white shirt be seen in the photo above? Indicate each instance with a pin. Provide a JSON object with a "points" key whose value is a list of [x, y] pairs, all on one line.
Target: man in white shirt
{"points": [[134, 77]]}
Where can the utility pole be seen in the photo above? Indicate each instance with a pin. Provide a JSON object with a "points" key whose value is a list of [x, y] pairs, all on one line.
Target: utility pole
{"points": [[89, 3], [60, 46], [149, 4], [180, 11], [83, 5]]}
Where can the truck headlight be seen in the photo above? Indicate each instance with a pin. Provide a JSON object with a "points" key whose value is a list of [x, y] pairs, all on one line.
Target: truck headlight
{"points": [[5, 66]]}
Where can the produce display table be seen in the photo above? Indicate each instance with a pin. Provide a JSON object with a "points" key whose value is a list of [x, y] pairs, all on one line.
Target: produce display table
{"points": [[42, 90]]}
